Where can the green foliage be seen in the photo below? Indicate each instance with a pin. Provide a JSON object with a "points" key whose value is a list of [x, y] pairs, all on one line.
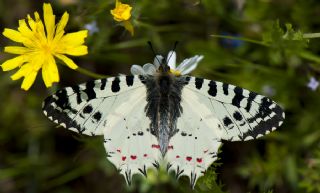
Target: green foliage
{"points": [[310, 173], [208, 183], [283, 43], [269, 48]]}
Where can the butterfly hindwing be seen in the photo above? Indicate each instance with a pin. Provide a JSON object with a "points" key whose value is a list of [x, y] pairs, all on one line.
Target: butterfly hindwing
{"points": [[130, 145], [243, 114], [195, 145]]}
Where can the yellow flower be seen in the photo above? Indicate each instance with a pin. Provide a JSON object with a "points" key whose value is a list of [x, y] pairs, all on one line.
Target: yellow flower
{"points": [[122, 13], [42, 42]]}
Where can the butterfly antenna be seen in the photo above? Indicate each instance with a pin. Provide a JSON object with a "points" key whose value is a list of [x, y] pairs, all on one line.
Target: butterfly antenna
{"points": [[173, 49], [154, 53]]}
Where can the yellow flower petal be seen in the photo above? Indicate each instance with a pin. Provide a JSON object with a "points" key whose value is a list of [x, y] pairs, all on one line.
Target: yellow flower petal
{"points": [[39, 27], [37, 61], [29, 80], [24, 29], [31, 22], [46, 76], [16, 49], [29, 38], [50, 72], [75, 38], [49, 20], [13, 35], [67, 60], [54, 74], [61, 25], [126, 14], [23, 71], [77, 51], [115, 15], [13, 63]]}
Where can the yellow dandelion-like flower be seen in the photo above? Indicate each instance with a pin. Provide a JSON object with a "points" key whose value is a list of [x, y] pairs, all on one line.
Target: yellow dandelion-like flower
{"points": [[42, 42], [122, 13]]}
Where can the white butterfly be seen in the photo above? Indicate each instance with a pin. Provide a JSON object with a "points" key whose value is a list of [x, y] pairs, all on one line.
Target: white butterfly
{"points": [[160, 115]]}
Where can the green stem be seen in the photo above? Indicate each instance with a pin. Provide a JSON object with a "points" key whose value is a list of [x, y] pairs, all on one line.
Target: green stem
{"points": [[143, 24], [311, 35], [87, 72], [129, 44], [310, 56], [92, 74], [155, 28], [243, 39], [69, 176]]}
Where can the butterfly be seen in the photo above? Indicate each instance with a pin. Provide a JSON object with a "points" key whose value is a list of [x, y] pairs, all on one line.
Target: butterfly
{"points": [[162, 115]]}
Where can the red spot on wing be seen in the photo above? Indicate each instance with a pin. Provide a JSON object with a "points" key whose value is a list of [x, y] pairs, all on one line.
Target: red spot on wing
{"points": [[133, 157], [145, 155], [124, 158], [155, 146], [188, 158], [199, 160], [170, 147], [177, 156]]}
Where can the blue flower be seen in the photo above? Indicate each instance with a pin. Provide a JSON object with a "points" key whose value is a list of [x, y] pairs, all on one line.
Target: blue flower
{"points": [[268, 90], [92, 27], [313, 84]]}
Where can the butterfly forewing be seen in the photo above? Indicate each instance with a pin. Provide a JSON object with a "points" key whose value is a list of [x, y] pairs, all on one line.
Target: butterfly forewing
{"points": [[84, 108], [243, 114]]}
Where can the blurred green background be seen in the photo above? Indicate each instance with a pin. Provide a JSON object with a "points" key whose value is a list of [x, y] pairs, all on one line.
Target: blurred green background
{"points": [[277, 60]]}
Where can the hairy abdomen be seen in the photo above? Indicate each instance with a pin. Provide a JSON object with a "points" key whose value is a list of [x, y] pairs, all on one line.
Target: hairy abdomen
{"points": [[163, 107]]}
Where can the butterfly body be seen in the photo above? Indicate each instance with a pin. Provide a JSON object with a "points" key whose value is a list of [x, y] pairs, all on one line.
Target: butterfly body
{"points": [[155, 118], [163, 105]]}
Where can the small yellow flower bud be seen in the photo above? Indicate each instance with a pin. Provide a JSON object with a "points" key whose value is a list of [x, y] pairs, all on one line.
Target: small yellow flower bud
{"points": [[122, 12]]}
